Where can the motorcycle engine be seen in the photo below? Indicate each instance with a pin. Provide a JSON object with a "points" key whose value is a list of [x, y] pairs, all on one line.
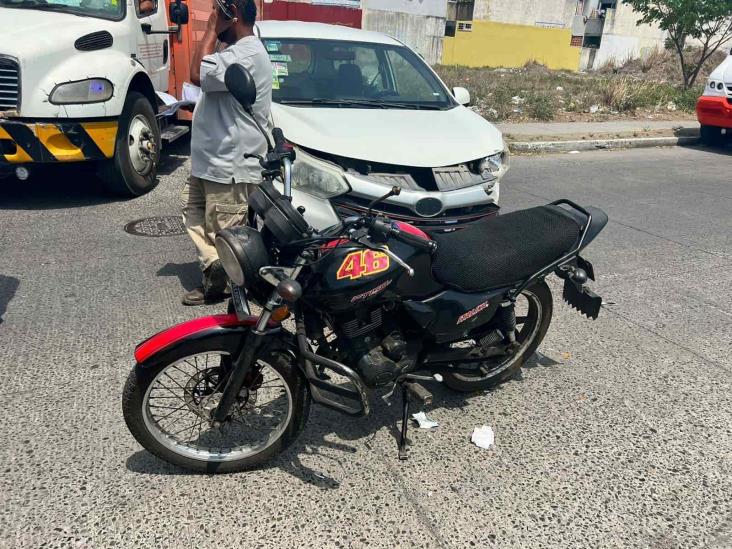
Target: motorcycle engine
{"points": [[374, 351]]}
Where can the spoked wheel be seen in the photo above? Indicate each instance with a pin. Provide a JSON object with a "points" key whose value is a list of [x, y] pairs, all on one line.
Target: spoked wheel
{"points": [[169, 411], [533, 316]]}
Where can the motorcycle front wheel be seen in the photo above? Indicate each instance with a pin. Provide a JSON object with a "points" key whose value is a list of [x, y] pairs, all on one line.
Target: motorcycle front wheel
{"points": [[168, 410], [533, 316]]}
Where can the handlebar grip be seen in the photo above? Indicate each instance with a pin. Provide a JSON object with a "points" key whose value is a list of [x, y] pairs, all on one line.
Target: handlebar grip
{"points": [[279, 139], [430, 246]]}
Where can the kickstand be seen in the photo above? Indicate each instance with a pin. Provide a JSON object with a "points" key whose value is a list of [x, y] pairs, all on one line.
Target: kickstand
{"points": [[405, 423]]}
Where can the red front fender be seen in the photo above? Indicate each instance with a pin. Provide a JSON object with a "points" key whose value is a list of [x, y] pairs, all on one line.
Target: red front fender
{"points": [[192, 328]]}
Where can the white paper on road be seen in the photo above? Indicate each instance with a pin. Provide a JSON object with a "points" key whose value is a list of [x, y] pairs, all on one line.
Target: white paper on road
{"points": [[424, 421], [483, 437]]}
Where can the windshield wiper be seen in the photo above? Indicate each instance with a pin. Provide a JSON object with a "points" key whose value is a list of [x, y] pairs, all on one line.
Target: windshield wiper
{"points": [[335, 102], [361, 103]]}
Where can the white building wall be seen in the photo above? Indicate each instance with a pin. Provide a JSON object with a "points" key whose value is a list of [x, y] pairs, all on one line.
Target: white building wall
{"points": [[623, 38], [548, 13], [418, 23]]}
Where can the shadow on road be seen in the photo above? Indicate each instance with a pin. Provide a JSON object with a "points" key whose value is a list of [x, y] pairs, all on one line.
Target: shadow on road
{"points": [[189, 274], [54, 187], [8, 287], [175, 155], [324, 424]]}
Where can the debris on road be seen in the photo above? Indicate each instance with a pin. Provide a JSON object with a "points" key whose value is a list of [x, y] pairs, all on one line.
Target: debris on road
{"points": [[483, 437], [423, 421]]}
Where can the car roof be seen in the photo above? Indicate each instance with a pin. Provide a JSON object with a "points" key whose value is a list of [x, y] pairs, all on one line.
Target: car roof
{"points": [[323, 31]]}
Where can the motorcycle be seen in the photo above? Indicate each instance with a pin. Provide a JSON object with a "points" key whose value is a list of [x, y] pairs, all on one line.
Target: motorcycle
{"points": [[366, 306]]}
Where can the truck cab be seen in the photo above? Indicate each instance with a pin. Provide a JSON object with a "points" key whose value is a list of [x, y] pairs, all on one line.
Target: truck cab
{"points": [[714, 108], [78, 82]]}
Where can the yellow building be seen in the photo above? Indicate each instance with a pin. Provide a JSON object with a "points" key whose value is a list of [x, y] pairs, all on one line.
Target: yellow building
{"points": [[510, 33]]}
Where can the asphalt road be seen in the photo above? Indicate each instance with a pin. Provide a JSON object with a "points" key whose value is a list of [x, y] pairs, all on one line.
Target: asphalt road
{"points": [[620, 435]]}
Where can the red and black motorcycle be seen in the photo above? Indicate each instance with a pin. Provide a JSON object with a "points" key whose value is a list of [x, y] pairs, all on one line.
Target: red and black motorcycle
{"points": [[374, 306]]}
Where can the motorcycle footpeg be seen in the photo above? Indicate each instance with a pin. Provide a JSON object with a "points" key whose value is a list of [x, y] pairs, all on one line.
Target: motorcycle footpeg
{"points": [[419, 394]]}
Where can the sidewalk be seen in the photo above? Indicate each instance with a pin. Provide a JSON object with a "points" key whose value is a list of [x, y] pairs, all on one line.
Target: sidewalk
{"points": [[571, 136]]}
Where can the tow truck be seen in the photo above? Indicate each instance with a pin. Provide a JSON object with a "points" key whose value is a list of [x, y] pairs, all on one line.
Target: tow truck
{"points": [[97, 81]]}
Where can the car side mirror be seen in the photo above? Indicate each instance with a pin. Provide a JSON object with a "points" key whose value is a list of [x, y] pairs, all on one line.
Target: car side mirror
{"points": [[462, 96], [178, 13], [240, 83]]}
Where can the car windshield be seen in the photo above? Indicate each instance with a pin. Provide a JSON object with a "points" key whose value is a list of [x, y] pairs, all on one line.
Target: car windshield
{"points": [[105, 9], [331, 73]]}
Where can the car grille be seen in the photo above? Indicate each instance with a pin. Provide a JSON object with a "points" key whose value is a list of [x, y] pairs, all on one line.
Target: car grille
{"points": [[9, 84], [448, 220]]}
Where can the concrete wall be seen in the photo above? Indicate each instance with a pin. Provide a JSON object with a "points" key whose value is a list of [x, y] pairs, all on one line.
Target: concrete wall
{"points": [[434, 8], [623, 38], [422, 33], [502, 45], [542, 13]]}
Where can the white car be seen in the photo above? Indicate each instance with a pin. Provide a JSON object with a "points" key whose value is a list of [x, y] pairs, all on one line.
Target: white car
{"points": [[366, 113]]}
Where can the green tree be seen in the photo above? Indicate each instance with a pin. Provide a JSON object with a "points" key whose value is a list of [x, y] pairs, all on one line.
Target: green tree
{"points": [[709, 22]]}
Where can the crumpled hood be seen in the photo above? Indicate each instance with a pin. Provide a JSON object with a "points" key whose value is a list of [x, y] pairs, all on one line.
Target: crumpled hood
{"points": [[26, 34], [391, 136]]}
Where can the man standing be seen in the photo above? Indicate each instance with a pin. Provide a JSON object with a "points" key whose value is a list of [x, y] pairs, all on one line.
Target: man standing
{"points": [[216, 195]]}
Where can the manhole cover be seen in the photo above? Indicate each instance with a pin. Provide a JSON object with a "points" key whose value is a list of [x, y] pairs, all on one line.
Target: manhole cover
{"points": [[171, 225]]}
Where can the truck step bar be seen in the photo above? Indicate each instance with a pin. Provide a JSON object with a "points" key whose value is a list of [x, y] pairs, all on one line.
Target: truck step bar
{"points": [[171, 133]]}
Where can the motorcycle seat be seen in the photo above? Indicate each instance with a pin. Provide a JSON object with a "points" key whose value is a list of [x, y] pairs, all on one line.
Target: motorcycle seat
{"points": [[503, 250]]}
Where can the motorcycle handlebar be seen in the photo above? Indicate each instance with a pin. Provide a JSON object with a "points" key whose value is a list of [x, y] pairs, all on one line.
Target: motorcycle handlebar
{"points": [[430, 246], [279, 139]]}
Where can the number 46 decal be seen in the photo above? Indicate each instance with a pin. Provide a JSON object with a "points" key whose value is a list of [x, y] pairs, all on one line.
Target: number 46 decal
{"points": [[363, 263]]}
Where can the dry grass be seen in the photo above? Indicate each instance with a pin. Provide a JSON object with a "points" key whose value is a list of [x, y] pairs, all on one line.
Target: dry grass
{"points": [[632, 88]]}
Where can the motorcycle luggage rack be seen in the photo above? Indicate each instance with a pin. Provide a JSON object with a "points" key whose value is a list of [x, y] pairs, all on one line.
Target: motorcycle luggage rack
{"points": [[569, 255], [319, 386]]}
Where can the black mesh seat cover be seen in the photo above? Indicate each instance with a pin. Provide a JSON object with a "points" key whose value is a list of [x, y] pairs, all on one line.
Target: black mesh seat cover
{"points": [[503, 250]]}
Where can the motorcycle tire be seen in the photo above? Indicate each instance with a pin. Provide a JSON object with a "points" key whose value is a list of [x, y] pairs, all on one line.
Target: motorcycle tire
{"points": [[135, 408], [541, 297]]}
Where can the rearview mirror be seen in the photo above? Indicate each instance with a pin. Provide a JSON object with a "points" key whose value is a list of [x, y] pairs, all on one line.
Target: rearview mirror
{"points": [[240, 83], [462, 96], [178, 13]]}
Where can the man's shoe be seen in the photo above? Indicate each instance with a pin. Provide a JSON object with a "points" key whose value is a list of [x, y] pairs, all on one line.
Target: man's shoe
{"points": [[194, 298], [215, 281]]}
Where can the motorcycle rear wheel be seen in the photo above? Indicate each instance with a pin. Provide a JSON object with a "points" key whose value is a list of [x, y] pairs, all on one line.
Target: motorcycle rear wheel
{"points": [[152, 404], [532, 326]]}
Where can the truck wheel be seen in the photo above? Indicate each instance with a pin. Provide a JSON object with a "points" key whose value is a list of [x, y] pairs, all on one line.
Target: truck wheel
{"points": [[712, 136], [133, 170]]}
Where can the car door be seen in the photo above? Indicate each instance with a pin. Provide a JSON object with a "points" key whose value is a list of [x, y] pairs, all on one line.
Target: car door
{"points": [[153, 50]]}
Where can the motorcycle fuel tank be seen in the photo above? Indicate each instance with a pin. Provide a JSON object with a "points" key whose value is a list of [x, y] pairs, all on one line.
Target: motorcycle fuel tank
{"points": [[348, 275]]}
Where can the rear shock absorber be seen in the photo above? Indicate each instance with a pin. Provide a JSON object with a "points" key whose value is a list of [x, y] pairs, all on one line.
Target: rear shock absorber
{"points": [[508, 320]]}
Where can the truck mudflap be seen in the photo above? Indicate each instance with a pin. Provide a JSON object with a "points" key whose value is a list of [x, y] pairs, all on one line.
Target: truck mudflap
{"points": [[714, 111], [27, 142]]}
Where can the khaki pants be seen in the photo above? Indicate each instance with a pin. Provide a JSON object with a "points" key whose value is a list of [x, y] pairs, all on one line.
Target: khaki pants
{"points": [[209, 207]]}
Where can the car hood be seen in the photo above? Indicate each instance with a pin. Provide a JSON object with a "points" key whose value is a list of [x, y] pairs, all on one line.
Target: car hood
{"points": [[414, 138], [724, 71], [27, 33]]}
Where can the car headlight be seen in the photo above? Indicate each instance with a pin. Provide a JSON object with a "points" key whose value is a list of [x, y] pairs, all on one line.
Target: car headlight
{"points": [[490, 167], [92, 90], [317, 178]]}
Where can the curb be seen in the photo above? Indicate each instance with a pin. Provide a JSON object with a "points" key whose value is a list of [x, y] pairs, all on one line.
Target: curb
{"points": [[599, 144]]}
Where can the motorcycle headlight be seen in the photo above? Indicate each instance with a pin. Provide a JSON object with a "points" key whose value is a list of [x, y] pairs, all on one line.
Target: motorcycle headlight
{"points": [[317, 178], [490, 167], [92, 90], [242, 253]]}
